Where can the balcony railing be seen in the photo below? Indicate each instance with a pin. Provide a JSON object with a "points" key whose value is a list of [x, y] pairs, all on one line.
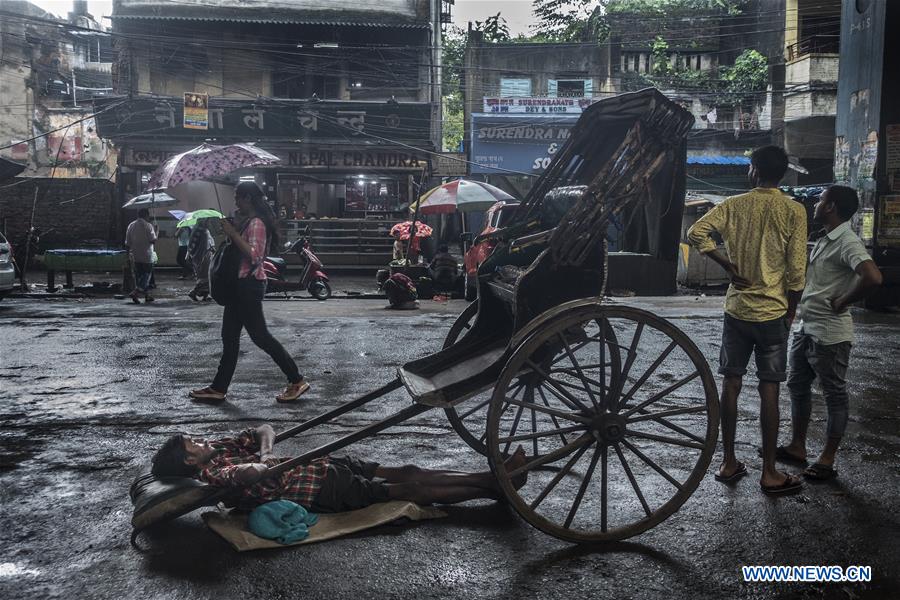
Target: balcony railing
{"points": [[816, 44]]}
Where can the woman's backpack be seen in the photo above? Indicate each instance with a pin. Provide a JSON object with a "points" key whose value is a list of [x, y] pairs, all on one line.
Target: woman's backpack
{"points": [[223, 273]]}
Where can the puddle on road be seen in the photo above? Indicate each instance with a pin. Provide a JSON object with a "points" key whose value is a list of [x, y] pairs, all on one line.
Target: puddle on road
{"points": [[16, 570]]}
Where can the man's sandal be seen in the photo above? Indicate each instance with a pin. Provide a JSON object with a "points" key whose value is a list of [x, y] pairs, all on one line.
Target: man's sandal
{"points": [[792, 483], [292, 392], [820, 472], [207, 394]]}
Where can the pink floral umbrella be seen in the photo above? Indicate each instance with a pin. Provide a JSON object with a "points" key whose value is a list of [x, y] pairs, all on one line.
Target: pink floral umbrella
{"points": [[207, 162], [401, 230]]}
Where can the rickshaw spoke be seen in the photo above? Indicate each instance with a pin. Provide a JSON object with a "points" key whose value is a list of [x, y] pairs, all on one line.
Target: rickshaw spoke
{"points": [[647, 374], [579, 371], [648, 416], [603, 482], [664, 439], [552, 417], [582, 488], [515, 390], [602, 325], [474, 409], [660, 395], [515, 427], [555, 455], [566, 398], [551, 411], [534, 441], [562, 473], [653, 465], [634, 483], [539, 434], [676, 428], [626, 368]]}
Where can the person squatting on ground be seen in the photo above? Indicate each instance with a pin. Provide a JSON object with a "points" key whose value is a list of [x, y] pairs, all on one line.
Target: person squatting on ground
{"points": [[327, 484], [840, 272], [443, 268], [139, 239], [257, 233], [200, 250], [765, 240]]}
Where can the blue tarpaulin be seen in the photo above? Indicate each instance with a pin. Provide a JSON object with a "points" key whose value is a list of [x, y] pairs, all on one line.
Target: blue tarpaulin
{"points": [[718, 159]]}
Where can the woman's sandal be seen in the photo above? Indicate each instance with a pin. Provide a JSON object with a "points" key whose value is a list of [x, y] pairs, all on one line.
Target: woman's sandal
{"points": [[292, 392], [207, 394]]}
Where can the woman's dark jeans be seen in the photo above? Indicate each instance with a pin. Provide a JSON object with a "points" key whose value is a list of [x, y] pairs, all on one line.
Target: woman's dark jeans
{"points": [[247, 313]]}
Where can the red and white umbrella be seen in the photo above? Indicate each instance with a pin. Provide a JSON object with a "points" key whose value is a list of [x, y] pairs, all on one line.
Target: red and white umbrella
{"points": [[460, 195]]}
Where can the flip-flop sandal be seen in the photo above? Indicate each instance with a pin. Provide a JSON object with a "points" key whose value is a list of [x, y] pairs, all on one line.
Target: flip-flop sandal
{"points": [[738, 473], [782, 455], [820, 472], [793, 483]]}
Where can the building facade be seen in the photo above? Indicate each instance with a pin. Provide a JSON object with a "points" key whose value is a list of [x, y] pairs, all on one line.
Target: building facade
{"points": [[348, 98], [51, 70]]}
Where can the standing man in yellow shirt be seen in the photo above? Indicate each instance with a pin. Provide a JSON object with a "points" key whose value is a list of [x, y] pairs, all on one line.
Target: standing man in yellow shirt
{"points": [[765, 243]]}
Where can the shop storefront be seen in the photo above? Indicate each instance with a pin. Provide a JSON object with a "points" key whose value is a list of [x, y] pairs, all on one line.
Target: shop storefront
{"points": [[345, 161]]}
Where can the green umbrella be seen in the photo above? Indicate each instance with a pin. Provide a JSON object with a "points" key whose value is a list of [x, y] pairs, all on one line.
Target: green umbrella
{"points": [[191, 218]]}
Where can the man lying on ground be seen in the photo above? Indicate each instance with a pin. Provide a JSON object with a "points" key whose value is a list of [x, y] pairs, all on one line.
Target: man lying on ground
{"points": [[327, 484]]}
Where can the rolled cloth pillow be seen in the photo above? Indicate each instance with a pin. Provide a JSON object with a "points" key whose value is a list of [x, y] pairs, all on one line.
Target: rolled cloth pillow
{"points": [[284, 521]]}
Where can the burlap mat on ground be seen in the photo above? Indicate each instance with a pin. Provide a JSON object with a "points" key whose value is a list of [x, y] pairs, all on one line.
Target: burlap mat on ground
{"points": [[233, 526]]}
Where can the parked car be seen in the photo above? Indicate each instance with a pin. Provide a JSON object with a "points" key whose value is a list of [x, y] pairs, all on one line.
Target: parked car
{"points": [[7, 270], [497, 217]]}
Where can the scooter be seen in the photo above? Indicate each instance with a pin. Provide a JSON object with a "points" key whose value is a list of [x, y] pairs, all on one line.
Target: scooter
{"points": [[312, 277]]}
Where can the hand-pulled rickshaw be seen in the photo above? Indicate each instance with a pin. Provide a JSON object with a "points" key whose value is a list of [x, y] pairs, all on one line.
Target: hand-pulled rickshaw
{"points": [[616, 407]]}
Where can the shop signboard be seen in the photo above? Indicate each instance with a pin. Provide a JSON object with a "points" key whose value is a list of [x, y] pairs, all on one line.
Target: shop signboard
{"points": [[449, 164], [335, 159], [543, 106], [196, 111], [517, 143], [336, 122]]}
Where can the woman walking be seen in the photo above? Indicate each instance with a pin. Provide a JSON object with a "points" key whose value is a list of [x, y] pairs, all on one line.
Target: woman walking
{"points": [[257, 233], [200, 249]]}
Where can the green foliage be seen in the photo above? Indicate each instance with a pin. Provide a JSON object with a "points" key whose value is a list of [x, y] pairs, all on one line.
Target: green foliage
{"points": [[453, 124], [563, 20], [494, 29], [666, 8], [746, 78], [659, 54]]}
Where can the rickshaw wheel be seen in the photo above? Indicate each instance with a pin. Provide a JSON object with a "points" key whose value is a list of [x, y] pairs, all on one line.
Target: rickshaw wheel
{"points": [[617, 453], [474, 439], [469, 418]]}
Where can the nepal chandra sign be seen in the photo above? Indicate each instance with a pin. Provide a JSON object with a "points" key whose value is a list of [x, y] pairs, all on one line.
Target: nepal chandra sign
{"points": [[522, 143], [334, 121], [348, 159]]}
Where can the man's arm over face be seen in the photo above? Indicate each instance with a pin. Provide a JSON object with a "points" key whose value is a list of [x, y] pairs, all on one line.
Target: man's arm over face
{"points": [[265, 440]]}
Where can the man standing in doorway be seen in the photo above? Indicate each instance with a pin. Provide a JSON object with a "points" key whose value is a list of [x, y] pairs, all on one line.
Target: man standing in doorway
{"points": [[139, 238], [840, 273], [765, 240]]}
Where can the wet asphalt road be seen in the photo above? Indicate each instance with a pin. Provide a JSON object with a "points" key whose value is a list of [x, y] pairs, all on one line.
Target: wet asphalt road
{"points": [[89, 388]]}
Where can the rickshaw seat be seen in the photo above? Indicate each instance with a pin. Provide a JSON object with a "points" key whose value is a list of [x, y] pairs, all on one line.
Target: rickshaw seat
{"points": [[455, 381]]}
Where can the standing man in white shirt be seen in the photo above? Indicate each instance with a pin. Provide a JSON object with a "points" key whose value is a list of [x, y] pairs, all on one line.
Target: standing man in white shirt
{"points": [[840, 272], [139, 238]]}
